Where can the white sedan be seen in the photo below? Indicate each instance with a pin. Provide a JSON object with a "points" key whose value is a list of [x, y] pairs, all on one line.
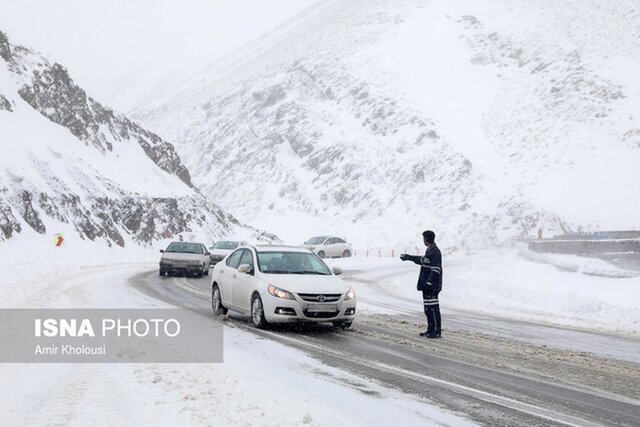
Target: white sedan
{"points": [[329, 246], [221, 249], [279, 284]]}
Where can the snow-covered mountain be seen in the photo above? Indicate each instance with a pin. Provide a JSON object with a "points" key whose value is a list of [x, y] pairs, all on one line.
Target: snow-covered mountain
{"points": [[68, 163], [483, 120]]}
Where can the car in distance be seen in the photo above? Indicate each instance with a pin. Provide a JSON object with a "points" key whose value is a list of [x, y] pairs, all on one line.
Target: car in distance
{"points": [[329, 246], [281, 284], [221, 249], [185, 258]]}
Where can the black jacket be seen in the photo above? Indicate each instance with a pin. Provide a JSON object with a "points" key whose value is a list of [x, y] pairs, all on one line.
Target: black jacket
{"points": [[430, 279]]}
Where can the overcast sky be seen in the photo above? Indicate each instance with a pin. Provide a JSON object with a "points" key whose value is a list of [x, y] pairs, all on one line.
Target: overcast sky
{"points": [[122, 51]]}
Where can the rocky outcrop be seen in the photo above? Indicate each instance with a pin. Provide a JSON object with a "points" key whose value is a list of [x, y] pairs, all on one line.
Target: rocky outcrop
{"points": [[8, 223], [325, 141], [5, 47], [52, 182], [143, 219], [5, 104], [50, 90]]}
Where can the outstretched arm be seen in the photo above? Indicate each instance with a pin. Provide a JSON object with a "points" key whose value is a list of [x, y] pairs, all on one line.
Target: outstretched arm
{"points": [[415, 258]]}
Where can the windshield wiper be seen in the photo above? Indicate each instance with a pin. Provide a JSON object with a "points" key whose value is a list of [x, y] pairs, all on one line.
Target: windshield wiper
{"points": [[311, 272], [277, 272]]}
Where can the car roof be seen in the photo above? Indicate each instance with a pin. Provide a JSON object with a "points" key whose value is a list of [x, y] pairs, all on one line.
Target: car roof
{"points": [[279, 248], [190, 243]]}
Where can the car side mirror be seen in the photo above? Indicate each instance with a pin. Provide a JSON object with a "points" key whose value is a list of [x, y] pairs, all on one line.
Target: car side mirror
{"points": [[207, 253], [337, 271], [244, 268], [161, 251]]}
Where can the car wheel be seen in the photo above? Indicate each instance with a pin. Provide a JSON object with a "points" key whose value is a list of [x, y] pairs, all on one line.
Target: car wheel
{"points": [[343, 325], [216, 302], [161, 272], [346, 253], [321, 254], [257, 313], [206, 270]]}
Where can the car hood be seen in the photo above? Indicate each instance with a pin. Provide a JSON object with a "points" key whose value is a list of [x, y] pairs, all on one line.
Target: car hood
{"points": [[307, 283], [171, 256]]}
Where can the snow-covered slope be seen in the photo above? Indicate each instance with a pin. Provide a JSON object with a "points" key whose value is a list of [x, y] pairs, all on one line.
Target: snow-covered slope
{"points": [[67, 163], [483, 120]]}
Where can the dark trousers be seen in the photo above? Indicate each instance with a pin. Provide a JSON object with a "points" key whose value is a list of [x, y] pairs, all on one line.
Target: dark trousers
{"points": [[432, 311]]}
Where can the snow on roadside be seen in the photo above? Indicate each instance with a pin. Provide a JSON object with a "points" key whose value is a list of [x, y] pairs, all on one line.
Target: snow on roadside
{"points": [[502, 282], [260, 383], [578, 264]]}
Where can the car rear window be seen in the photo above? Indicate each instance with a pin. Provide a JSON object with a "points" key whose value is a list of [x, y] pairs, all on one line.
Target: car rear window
{"points": [[226, 245]]}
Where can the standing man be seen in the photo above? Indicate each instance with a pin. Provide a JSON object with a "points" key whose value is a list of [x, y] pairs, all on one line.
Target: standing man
{"points": [[429, 282]]}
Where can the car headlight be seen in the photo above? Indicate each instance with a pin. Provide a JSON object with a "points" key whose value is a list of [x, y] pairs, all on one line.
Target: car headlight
{"points": [[280, 293], [350, 295]]}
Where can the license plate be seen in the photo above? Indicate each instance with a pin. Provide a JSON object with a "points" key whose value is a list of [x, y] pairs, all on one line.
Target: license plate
{"points": [[322, 308]]}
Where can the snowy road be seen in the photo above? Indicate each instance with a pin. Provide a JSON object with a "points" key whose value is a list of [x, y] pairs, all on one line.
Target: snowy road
{"points": [[496, 371]]}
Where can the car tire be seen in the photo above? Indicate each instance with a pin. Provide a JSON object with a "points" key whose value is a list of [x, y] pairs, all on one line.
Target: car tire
{"points": [[216, 302], [206, 271], [161, 272], [346, 253], [321, 254], [257, 312]]}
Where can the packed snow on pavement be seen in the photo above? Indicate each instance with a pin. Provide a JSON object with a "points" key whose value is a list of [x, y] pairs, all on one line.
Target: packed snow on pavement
{"points": [[260, 382]]}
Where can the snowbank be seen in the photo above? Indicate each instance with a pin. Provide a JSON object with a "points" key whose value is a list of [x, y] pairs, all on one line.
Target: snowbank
{"points": [[502, 282]]}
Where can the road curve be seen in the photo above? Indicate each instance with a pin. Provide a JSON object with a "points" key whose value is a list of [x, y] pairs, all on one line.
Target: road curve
{"points": [[494, 380]]}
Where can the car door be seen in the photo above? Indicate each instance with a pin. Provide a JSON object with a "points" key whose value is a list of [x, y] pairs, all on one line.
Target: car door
{"points": [[227, 273], [205, 257], [331, 247], [243, 283], [341, 246]]}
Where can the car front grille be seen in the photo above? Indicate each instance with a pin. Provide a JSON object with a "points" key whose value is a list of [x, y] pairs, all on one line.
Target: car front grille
{"points": [[321, 315], [320, 297]]}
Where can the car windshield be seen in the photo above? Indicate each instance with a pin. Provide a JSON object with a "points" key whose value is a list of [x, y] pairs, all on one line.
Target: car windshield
{"points": [[184, 248], [226, 245], [316, 240], [291, 263]]}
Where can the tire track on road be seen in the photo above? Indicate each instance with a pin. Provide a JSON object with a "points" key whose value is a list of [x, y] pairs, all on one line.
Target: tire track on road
{"points": [[486, 395]]}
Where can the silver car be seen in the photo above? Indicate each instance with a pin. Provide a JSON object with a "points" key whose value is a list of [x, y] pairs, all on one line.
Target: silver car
{"points": [[185, 258], [329, 246], [221, 249]]}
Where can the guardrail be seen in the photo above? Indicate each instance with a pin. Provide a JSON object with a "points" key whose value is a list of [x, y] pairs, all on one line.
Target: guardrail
{"points": [[586, 246], [387, 252]]}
